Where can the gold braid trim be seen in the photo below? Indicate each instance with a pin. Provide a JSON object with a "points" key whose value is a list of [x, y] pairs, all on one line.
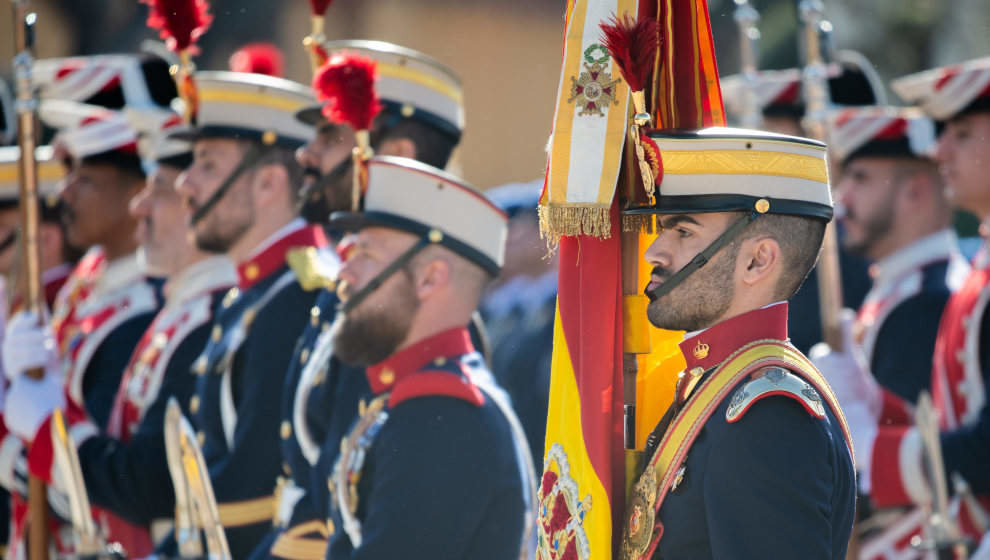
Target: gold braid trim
{"points": [[558, 221], [247, 512], [643, 223]]}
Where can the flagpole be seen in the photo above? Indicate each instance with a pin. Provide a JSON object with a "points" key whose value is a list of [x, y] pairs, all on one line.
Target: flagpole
{"points": [[30, 273]]}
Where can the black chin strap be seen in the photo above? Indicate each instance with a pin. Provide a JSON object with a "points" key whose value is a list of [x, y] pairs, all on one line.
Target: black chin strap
{"points": [[315, 189], [250, 158], [8, 241], [389, 270], [702, 258]]}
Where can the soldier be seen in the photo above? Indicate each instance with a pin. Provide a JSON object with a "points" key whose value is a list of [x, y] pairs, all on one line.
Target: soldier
{"points": [[242, 189], [888, 446], [426, 246], [779, 99], [159, 368], [752, 460], [416, 122], [896, 215]]}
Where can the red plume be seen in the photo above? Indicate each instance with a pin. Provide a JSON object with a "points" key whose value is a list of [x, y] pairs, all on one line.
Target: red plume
{"points": [[633, 46], [319, 6], [258, 58], [347, 83], [180, 22]]}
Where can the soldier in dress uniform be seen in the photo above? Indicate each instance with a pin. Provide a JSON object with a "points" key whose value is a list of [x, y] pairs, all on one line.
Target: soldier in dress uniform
{"points": [[106, 303], [422, 118], [159, 368], [779, 97], [887, 444], [242, 189], [752, 460], [431, 466]]}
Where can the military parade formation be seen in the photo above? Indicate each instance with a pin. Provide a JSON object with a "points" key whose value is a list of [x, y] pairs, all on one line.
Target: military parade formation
{"points": [[245, 317]]}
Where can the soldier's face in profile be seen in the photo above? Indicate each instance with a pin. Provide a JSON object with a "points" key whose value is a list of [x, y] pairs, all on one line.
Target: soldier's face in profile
{"points": [[868, 192], [96, 198], [326, 175], [703, 298], [963, 152], [162, 221], [380, 323], [226, 222]]}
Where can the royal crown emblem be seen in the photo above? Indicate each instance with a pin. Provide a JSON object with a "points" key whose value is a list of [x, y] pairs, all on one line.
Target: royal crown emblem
{"points": [[560, 531], [594, 89], [701, 351]]}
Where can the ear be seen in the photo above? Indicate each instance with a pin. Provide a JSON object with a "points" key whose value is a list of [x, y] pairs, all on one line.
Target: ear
{"points": [[270, 182], [402, 147], [760, 260], [432, 277]]}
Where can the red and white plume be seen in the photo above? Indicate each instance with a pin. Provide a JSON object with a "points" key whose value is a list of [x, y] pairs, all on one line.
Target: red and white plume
{"points": [[346, 83]]}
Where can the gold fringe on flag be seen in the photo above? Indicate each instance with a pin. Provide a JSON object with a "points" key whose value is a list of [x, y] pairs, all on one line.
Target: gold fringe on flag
{"points": [[558, 221]]}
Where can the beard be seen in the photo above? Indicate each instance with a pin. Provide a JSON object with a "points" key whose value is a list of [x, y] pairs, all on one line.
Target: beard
{"points": [[874, 228], [701, 299], [370, 333]]}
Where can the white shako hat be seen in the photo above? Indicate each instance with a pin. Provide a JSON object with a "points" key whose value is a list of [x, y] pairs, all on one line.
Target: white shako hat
{"points": [[880, 132], [948, 91], [50, 173], [732, 169], [86, 131], [247, 106], [410, 84], [156, 143], [407, 195]]}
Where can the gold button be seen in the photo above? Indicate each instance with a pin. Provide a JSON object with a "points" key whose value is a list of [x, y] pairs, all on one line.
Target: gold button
{"points": [[435, 236], [286, 469], [194, 404], [319, 378], [286, 429], [304, 355], [696, 371], [762, 206], [248, 317], [252, 271], [199, 368], [325, 327], [201, 438], [407, 110], [217, 333], [440, 362], [229, 298], [387, 377], [314, 316], [701, 350], [330, 527], [269, 137]]}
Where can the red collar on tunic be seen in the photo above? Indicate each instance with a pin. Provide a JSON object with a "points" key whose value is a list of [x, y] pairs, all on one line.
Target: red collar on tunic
{"points": [[262, 265], [714, 345], [448, 344]]}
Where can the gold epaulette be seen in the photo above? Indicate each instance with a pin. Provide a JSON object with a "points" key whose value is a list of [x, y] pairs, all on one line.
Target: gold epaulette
{"points": [[774, 380], [306, 541], [247, 512], [312, 271]]}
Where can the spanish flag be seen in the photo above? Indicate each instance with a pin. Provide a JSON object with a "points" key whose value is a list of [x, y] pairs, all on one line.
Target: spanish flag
{"points": [[581, 497]]}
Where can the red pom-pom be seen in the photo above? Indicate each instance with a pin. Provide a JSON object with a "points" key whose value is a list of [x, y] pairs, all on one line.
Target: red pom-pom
{"points": [[319, 6], [633, 45], [179, 22], [258, 58], [346, 83]]}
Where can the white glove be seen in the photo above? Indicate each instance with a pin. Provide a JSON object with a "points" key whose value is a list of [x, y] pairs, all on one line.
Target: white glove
{"points": [[30, 402], [863, 432], [27, 345], [847, 372]]}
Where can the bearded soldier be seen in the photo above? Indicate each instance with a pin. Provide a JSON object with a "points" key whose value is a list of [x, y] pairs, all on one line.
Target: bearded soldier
{"points": [[752, 460]]}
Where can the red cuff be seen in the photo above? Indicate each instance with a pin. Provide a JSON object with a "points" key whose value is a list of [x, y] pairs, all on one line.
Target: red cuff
{"points": [[41, 454]]}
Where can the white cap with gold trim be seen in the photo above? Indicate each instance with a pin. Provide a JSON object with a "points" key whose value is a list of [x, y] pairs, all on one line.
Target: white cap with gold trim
{"points": [[732, 169], [407, 195], [50, 173], [410, 84], [250, 107], [948, 91]]}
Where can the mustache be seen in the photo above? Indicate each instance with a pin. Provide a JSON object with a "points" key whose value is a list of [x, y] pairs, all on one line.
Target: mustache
{"points": [[659, 272]]}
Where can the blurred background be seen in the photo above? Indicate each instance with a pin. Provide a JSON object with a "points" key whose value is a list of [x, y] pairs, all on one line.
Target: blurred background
{"points": [[507, 52]]}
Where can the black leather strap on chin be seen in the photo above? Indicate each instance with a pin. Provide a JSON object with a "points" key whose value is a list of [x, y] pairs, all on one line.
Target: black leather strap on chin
{"points": [[8, 241], [384, 275], [702, 258], [251, 157]]}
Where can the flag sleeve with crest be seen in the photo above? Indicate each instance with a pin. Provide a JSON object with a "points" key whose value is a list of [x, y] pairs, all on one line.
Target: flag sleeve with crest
{"points": [[583, 482]]}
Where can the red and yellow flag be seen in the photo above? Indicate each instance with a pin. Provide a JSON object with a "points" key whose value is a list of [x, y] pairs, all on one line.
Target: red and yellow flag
{"points": [[582, 489]]}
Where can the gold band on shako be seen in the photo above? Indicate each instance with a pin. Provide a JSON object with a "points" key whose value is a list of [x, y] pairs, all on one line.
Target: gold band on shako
{"points": [[410, 84], [730, 169]]}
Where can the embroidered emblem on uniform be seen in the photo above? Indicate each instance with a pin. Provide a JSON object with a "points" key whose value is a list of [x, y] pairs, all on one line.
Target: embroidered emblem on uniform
{"points": [[701, 350], [642, 512], [560, 531], [347, 470], [678, 478], [594, 89]]}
